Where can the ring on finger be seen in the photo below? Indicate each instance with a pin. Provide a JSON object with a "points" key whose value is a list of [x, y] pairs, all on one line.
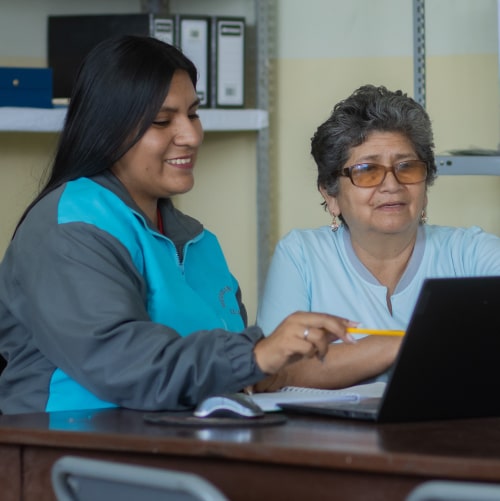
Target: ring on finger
{"points": [[306, 333]]}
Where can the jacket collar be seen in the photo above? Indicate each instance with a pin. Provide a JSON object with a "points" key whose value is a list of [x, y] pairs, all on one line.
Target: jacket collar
{"points": [[179, 227]]}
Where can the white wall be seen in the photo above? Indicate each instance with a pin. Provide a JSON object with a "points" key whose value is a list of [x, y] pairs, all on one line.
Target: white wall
{"points": [[23, 24]]}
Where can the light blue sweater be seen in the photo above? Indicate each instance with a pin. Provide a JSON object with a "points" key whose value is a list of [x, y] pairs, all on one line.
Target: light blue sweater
{"points": [[317, 270]]}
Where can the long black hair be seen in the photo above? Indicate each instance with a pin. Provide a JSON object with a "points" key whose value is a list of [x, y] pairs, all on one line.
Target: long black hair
{"points": [[117, 94]]}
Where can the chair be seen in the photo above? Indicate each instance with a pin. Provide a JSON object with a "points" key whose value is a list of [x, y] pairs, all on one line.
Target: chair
{"points": [[444, 490], [82, 479]]}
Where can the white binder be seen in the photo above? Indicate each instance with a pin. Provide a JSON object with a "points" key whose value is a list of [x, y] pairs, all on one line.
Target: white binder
{"points": [[228, 46], [163, 28], [194, 41]]}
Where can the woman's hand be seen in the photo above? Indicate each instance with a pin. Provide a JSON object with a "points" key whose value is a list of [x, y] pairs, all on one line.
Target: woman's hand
{"points": [[301, 334]]}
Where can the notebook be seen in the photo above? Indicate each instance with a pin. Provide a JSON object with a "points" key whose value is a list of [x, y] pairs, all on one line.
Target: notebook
{"points": [[270, 402], [448, 366]]}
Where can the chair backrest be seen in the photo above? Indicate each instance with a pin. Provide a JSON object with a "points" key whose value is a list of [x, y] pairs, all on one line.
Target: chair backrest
{"points": [[82, 479], [444, 490]]}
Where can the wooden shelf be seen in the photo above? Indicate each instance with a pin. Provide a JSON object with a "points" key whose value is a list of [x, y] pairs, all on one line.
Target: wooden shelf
{"points": [[52, 119]]}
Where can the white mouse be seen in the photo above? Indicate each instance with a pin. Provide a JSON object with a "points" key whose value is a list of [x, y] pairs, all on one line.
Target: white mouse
{"points": [[228, 405]]}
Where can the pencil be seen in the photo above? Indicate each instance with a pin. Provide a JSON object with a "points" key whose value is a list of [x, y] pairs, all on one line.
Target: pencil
{"points": [[376, 332]]}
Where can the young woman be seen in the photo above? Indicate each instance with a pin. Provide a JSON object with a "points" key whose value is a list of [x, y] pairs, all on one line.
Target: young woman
{"points": [[109, 296]]}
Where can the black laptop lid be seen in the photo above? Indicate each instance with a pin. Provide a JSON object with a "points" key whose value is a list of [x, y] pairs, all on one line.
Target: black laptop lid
{"points": [[449, 362], [448, 366]]}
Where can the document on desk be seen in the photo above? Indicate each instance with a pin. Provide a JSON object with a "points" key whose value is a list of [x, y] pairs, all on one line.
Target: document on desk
{"points": [[269, 402]]}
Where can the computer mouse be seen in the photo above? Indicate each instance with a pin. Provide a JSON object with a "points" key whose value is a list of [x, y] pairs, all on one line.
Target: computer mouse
{"points": [[228, 405]]}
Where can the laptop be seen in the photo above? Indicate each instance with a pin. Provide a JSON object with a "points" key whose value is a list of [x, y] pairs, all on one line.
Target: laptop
{"points": [[448, 366]]}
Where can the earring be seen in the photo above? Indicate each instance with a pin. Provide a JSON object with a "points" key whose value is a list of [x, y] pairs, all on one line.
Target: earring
{"points": [[335, 223], [423, 217]]}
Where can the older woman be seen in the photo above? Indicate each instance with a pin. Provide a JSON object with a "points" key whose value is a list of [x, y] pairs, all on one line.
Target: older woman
{"points": [[375, 161]]}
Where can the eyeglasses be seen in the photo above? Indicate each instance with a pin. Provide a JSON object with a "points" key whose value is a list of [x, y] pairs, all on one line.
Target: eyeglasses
{"points": [[369, 175]]}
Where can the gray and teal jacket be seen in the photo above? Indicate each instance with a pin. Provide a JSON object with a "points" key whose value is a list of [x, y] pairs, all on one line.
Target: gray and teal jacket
{"points": [[98, 309]]}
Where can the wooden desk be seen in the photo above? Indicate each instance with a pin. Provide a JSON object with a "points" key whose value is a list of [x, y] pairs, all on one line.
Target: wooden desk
{"points": [[306, 458]]}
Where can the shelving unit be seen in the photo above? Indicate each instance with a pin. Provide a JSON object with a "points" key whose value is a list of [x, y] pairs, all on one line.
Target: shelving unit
{"points": [[460, 165], [52, 119], [447, 164]]}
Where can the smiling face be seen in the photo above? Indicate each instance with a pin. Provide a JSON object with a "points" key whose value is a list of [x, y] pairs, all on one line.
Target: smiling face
{"points": [[389, 208], [161, 163]]}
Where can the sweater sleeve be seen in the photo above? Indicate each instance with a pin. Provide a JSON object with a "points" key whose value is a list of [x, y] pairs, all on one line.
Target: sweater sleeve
{"points": [[85, 304]]}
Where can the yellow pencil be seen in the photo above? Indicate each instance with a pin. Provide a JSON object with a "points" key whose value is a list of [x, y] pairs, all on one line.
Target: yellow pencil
{"points": [[376, 332]]}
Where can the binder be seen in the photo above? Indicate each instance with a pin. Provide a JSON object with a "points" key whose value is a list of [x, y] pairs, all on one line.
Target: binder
{"points": [[28, 87], [71, 37], [194, 41], [228, 48], [164, 29]]}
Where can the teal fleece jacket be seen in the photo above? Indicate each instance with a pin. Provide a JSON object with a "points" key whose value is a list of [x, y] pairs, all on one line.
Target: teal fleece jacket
{"points": [[98, 309]]}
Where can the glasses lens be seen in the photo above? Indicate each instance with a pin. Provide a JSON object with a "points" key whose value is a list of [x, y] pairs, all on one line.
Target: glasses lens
{"points": [[367, 175], [412, 171]]}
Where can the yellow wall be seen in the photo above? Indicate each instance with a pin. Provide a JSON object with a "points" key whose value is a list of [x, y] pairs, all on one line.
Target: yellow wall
{"points": [[462, 116], [23, 160], [223, 198]]}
